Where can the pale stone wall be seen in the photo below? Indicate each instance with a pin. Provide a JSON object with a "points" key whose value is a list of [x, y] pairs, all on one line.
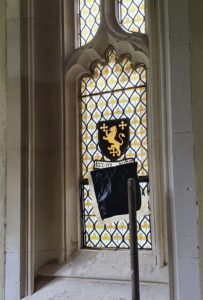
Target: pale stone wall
{"points": [[13, 182], [196, 25], [48, 133], [2, 140], [33, 47], [181, 193]]}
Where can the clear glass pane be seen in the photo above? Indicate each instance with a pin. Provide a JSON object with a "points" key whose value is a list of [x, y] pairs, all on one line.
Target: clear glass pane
{"points": [[89, 19], [132, 15], [115, 90]]}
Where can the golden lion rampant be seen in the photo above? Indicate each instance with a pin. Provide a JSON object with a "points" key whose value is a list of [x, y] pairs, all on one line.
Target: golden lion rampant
{"points": [[111, 138]]}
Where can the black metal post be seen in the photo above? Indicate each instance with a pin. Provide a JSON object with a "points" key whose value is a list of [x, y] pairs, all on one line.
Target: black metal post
{"points": [[133, 239]]}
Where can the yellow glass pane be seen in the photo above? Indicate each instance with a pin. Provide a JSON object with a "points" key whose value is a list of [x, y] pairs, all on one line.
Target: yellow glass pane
{"points": [[115, 89], [89, 20], [132, 15]]}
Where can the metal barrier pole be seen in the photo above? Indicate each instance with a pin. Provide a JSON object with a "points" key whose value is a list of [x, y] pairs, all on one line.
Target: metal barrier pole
{"points": [[133, 239]]}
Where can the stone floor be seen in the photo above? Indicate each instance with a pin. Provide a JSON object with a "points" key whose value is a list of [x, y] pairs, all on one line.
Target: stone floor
{"points": [[100, 275], [84, 289]]}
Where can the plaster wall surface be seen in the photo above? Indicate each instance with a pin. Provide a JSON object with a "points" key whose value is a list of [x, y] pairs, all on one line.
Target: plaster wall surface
{"points": [[2, 140], [196, 40]]}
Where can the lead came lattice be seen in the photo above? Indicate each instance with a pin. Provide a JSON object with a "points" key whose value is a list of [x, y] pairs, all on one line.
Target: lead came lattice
{"points": [[89, 19], [132, 15], [114, 91]]}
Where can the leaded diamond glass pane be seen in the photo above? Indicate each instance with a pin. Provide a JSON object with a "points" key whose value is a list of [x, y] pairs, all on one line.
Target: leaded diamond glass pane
{"points": [[89, 19], [132, 15], [115, 90]]}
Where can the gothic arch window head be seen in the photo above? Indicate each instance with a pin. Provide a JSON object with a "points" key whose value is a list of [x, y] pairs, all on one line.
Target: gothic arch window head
{"points": [[130, 14]]}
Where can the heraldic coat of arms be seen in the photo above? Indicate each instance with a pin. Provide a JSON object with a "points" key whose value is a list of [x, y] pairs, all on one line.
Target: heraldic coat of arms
{"points": [[113, 137]]}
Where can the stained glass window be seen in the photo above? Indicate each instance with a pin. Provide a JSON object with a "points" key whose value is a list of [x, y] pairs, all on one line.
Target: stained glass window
{"points": [[89, 19], [115, 90], [132, 15]]}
